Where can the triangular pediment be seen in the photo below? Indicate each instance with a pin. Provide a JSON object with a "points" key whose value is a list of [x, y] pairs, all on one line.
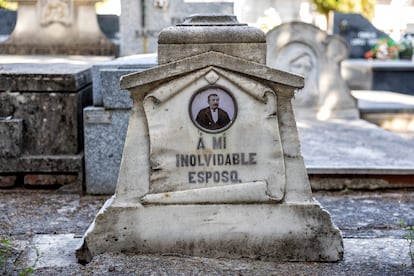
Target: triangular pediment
{"points": [[216, 59]]}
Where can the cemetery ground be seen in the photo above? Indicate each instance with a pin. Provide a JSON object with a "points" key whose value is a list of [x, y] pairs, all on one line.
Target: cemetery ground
{"points": [[44, 227]]}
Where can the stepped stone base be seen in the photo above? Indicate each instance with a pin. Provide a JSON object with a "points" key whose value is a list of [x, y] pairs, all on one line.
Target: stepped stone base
{"points": [[288, 232]]}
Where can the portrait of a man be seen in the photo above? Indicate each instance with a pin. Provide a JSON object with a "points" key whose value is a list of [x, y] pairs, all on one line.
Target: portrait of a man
{"points": [[213, 117], [213, 109]]}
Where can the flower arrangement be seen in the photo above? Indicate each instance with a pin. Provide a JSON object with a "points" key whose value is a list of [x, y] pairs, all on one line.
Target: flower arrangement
{"points": [[384, 49]]}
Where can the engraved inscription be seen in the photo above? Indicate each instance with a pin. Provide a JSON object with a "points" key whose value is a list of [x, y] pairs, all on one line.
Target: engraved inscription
{"points": [[214, 167]]}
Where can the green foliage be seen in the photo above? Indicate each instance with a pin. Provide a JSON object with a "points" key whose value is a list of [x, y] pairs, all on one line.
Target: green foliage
{"points": [[410, 238], [5, 4], [5, 254], [26, 271], [7, 267], [364, 7]]}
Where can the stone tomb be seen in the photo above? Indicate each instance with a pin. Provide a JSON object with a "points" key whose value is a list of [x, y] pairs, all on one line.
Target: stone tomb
{"points": [[232, 186], [306, 50], [41, 122], [390, 75]]}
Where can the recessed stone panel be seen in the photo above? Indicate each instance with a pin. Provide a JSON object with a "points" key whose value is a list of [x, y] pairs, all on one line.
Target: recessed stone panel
{"points": [[185, 155]]}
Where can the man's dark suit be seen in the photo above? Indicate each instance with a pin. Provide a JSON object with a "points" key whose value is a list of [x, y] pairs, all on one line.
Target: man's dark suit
{"points": [[205, 120]]}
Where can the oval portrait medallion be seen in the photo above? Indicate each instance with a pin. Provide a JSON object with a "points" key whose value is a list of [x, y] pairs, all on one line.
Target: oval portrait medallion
{"points": [[213, 109]]}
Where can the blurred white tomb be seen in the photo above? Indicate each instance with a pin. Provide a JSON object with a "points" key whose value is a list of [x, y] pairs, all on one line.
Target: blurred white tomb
{"points": [[304, 49]]}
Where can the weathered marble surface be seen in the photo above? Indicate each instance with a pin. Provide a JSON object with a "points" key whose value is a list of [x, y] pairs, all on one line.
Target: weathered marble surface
{"points": [[242, 41], [294, 232], [51, 121], [11, 131], [104, 132]]}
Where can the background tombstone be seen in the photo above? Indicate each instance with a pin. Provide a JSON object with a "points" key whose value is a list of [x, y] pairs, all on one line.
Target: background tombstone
{"points": [[306, 50], [141, 22], [357, 31], [57, 27], [237, 190], [362, 74]]}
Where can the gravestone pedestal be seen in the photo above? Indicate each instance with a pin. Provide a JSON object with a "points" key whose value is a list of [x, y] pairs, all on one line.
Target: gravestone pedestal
{"points": [[211, 163], [57, 27]]}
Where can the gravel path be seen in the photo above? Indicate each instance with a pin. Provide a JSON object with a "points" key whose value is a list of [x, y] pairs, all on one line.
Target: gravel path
{"points": [[45, 228]]}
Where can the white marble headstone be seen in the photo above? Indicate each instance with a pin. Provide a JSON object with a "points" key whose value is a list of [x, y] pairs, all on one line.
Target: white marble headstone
{"points": [[226, 184]]}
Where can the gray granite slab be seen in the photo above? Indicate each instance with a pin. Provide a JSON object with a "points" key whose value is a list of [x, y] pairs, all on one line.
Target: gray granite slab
{"points": [[133, 62], [353, 147], [113, 96], [105, 132]]}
